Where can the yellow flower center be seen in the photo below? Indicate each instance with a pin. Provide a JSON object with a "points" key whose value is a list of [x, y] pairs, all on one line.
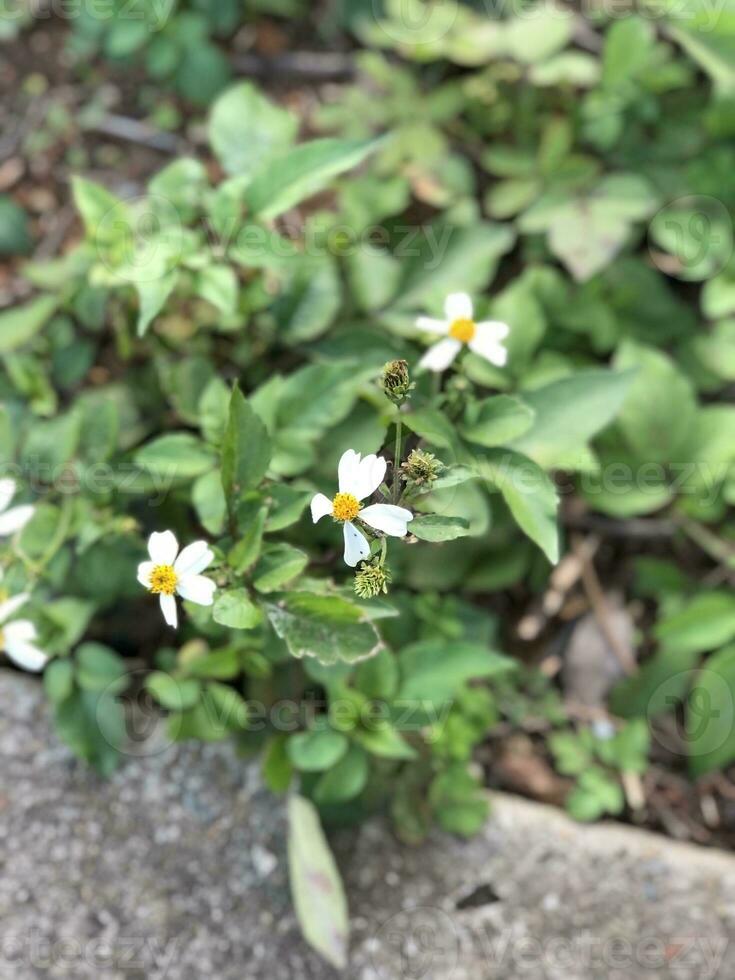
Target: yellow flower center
{"points": [[345, 507], [163, 580], [463, 330]]}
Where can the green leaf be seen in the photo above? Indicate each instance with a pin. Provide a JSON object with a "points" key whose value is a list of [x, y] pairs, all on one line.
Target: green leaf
{"points": [[571, 755], [234, 608], [569, 412], [645, 419], [529, 493], [92, 724], [247, 130], [496, 421], [58, 680], [345, 780], [318, 750], [302, 172], [246, 449], [100, 669], [278, 565], [324, 924], [218, 285], [152, 296], [179, 456], [458, 801], [434, 527], [596, 794], [172, 693], [21, 324], [277, 768], [433, 670], [705, 623], [433, 426], [628, 47], [710, 715], [245, 553], [382, 739], [446, 258], [106, 218], [14, 236], [587, 230], [329, 628]]}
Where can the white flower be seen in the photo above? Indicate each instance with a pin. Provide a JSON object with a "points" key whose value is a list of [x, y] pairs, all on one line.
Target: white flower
{"points": [[460, 328], [166, 576], [17, 638], [17, 517], [358, 479]]}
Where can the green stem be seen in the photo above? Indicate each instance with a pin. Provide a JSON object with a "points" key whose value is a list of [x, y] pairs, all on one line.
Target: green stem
{"points": [[397, 460], [383, 551]]}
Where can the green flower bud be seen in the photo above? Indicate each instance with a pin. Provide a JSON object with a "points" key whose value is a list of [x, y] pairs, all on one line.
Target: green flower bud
{"points": [[421, 468], [371, 579], [396, 382]]}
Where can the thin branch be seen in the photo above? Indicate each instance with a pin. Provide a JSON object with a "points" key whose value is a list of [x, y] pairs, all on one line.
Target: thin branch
{"points": [[141, 133], [316, 65], [600, 608]]}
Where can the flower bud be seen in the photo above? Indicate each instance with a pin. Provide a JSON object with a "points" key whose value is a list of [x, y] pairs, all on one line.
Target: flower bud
{"points": [[421, 469], [371, 579], [396, 382]]}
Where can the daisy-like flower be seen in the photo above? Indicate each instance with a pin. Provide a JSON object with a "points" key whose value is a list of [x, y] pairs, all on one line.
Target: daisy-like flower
{"points": [[17, 639], [359, 478], [460, 329], [167, 575], [17, 517]]}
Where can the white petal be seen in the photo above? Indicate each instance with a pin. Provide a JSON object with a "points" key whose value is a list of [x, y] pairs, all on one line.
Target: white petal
{"points": [[194, 559], [321, 505], [441, 355], [487, 345], [492, 330], [370, 474], [168, 608], [197, 588], [387, 518], [356, 545], [20, 631], [14, 519], [458, 306], [20, 649], [7, 492], [11, 606], [144, 573], [347, 471], [163, 547], [430, 325]]}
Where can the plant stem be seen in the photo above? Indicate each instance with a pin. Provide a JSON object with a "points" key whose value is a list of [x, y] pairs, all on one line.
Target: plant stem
{"points": [[397, 459]]}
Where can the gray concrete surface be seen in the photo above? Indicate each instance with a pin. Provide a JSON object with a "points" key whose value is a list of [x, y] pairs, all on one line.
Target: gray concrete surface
{"points": [[175, 869]]}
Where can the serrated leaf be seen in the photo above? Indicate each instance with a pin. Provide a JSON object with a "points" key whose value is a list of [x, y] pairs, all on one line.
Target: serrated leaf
{"points": [[22, 323], [235, 609], [529, 493], [302, 172], [246, 449], [329, 628], [434, 527], [496, 421]]}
